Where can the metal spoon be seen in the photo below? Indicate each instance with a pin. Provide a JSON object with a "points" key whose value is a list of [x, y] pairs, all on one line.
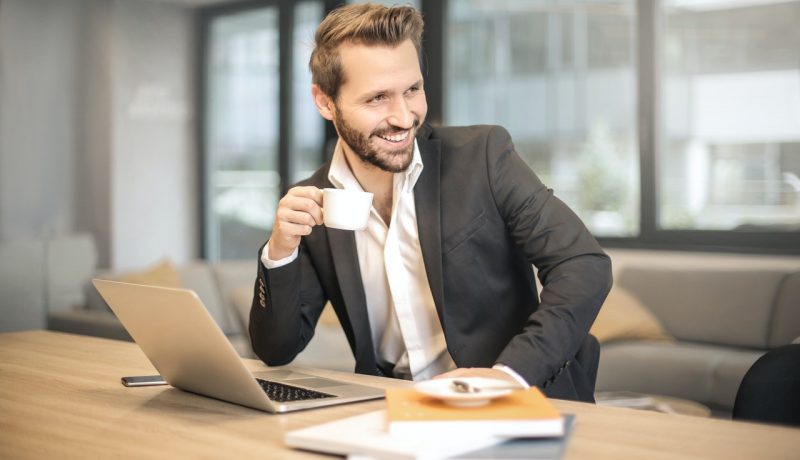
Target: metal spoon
{"points": [[462, 386]]}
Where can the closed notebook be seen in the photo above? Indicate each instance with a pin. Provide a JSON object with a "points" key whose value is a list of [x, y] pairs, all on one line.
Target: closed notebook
{"points": [[522, 413], [365, 436]]}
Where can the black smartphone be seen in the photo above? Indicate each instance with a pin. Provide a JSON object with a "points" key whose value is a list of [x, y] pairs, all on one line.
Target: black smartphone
{"points": [[143, 380]]}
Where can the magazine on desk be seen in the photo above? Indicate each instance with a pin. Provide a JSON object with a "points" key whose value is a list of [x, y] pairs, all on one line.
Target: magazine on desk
{"points": [[364, 437]]}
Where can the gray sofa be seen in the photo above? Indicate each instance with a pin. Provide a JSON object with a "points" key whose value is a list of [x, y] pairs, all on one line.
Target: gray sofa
{"points": [[722, 320]]}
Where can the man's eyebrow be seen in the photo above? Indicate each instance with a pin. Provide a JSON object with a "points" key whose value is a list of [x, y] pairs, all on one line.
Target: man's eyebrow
{"points": [[370, 94]]}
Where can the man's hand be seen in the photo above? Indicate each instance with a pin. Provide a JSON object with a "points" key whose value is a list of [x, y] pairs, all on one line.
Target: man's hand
{"points": [[298, 212], [485, 372]]}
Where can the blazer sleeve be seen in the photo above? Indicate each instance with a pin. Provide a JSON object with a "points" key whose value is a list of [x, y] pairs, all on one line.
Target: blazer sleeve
{"points": [[574, 271], [287, 303]]}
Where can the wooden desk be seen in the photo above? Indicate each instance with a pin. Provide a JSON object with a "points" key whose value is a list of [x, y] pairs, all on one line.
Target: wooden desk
{"points": [[60, 397]]}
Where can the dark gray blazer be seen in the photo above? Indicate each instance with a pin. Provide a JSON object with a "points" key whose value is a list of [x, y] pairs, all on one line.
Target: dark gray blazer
{"points": [[484, 218]]}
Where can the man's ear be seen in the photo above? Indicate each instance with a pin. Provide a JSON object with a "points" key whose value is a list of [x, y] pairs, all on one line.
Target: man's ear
{"points": [[323, 102]]}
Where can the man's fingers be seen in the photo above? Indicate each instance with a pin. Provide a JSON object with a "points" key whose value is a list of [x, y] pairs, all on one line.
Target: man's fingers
{"points": [[303, 200], [312, 193], [298, 212], [290, 230], [289, 216]]}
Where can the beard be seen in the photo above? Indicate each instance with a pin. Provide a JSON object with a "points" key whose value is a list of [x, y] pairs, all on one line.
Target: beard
{"points": [[393, 161]]}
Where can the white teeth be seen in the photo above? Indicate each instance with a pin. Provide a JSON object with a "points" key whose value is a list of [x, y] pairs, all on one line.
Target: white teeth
{"points": [[397, 137]]}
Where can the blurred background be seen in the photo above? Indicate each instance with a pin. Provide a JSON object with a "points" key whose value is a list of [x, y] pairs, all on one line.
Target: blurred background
{"points": [[172, 127]]}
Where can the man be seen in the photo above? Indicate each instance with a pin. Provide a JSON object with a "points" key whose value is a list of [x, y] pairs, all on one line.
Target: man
{"points": [[440, 282]]}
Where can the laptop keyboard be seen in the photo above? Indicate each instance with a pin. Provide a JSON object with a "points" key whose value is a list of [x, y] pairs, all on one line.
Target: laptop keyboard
{"points": [[281, 392]]}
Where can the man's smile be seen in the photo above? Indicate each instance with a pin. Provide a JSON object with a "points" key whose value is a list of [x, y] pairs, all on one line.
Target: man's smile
{"points": [[398, 137]]}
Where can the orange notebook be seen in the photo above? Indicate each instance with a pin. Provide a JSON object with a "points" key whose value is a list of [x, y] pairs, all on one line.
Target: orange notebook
{"points": [[522, 413]]}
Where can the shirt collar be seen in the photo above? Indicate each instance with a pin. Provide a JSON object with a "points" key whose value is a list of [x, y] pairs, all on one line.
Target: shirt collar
{"points": [[342, 177]]}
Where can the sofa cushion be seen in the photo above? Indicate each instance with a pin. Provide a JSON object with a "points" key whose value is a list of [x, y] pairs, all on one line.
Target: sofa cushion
{"points": [[161, 274], [199, 277], [242, 299], [717, 306], [233, 277], [705, 373], [785, 324], [623, 317], [728, 375]]}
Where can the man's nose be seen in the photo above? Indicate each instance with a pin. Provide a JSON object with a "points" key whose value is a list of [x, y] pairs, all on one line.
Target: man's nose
{"points": [[400, 114]]}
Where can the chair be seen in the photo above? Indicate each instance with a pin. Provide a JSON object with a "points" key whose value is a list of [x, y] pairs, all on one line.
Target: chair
{"points": [[770, 390]]}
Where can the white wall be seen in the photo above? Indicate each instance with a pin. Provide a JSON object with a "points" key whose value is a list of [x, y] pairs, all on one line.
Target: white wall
{"points": [[38, 144], [155, 162], [96, 128]]}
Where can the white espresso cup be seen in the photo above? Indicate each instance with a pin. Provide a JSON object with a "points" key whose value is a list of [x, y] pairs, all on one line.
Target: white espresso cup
{"points": [[345, 209]]}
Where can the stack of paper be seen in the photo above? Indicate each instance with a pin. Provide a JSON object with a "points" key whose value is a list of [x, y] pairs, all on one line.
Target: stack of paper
{"points": [[418, 427]]}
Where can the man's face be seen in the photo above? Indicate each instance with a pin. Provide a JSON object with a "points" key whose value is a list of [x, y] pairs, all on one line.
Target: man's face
{"points": [[381, 104]]}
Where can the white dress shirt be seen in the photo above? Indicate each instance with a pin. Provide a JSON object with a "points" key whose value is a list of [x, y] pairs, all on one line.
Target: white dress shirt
{"points": [[405, 327]]}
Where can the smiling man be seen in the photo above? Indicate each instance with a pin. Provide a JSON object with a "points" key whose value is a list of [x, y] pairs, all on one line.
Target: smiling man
{"points": [[440, 283]]}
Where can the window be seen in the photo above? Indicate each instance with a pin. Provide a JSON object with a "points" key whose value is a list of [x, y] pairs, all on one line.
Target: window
{"points": [[251, 151], [663, 124], [561, 78], [730, 105]]}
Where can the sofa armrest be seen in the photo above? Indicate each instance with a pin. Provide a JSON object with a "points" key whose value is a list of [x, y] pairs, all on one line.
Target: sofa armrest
{"points": [[88, 322]]}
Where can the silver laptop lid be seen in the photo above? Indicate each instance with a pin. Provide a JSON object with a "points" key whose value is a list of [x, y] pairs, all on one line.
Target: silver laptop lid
{"points": [[183, 342], [191, 352]]}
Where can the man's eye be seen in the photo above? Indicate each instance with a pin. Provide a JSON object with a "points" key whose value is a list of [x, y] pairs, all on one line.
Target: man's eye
{"points": [[378, 98]]}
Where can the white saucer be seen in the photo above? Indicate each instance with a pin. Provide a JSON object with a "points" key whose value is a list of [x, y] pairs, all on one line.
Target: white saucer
{"points": [[442, 389]]}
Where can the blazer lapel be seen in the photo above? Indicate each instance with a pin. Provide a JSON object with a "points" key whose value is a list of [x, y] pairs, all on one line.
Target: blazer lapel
{"points": [[427, 198], [345, 261]]}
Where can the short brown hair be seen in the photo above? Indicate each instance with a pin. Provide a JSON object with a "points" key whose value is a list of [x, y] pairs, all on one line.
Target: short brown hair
{"points": [[363, 24]]}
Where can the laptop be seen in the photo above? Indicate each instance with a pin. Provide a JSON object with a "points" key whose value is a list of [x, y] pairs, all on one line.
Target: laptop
{"points": [[191, 353]]}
